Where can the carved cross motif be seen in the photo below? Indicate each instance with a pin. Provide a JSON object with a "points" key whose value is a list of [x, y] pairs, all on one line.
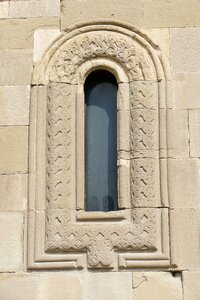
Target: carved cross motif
{"points": [[101, 240]]}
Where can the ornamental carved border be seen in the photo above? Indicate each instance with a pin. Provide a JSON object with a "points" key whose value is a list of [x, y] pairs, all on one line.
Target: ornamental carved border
{"points": [[138, 232]]}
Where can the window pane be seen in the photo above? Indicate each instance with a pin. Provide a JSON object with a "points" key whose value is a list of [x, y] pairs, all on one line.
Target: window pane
{"points": [[101, 142]]}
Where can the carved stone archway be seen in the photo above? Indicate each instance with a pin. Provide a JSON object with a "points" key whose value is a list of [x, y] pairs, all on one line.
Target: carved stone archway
{"points": [[61, 233]]}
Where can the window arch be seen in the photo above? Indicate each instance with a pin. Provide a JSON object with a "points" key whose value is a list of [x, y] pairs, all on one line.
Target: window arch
{"points": [[61, 233], [101, 142]]}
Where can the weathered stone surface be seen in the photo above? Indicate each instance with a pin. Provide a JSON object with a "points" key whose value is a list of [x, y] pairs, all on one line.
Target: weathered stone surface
{"points": [[14, 103], [184, 183], [191, 286], [11, 235], [14, 149], [161, 37], [57, 286], [34, 8], [185, 239], [146, 14], [186, 90], [156, 285], [4, 9], [194, 126], [18, 33], [144, 94], [116, 286], [185, 49], [43, 38], [59, 145], [76, 11], [19, 286], [16, 66], [170, 13], [177, 133], [13, 194]]}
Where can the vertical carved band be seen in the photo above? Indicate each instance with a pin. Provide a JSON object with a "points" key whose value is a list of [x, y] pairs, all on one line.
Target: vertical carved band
{"points": [[58, 145]]}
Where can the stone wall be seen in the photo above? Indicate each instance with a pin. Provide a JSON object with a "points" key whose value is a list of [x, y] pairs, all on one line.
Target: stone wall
{"points": [[174, 25]]}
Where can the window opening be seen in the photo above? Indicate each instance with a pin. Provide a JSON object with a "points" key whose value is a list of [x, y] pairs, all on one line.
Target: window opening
{"points": [[101, 142]]}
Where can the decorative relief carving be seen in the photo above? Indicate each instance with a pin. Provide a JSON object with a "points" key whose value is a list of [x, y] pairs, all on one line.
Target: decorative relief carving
{"points": [[59, 151], [144, 94], [144, 179], [143, 129], [100, 240], [112, 46], [65, 237]]}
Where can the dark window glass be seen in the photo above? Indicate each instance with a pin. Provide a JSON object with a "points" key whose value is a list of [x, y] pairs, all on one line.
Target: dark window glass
{"points": [[101, 142]]}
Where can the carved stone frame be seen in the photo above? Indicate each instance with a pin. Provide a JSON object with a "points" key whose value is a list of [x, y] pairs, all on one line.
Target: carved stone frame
{"points": [[61, 234]]}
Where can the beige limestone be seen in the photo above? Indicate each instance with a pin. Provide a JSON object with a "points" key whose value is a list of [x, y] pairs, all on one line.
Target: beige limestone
{"points": [[19, 286], [57, 152], [11, 236], [185, 238], [170, 13], [43, 38], [61, 286], [186, 90], [116, 286], [184, 183], [16, 67], [14, 103], [185, 49], [191, 286], [13, 149], [18, 33], [161, 37], [13, 194], [146, 14], [34, 8], [156, 285], [74, 11], [4, 9], [194, 126], [177, 133], [31, 28]]}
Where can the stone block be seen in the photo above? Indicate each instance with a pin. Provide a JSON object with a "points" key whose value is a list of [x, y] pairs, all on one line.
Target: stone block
{"points": [[34, 8], [194, 127], [19, 286], [161, 37], [16, 67], [191, 286], [74, 11], [186, 90], [143, 94], [14, 103], [18, 33], [14, 149], [115, 286], [156, 285], [4, 9], [184, 183], [43, 38], [185, 49], [61, 286], [11, 236], [185, 238], [13, 194], [170, 13], [177, 133]]}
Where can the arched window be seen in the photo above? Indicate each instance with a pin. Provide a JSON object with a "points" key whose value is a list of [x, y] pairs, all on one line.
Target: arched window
{"points": [[101, 142]]}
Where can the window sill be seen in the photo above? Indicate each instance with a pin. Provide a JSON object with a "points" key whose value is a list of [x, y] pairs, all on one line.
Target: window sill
{"points": [[100, 215]]}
